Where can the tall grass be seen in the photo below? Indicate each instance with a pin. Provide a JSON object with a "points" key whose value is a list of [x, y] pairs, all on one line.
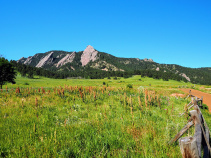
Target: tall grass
{"points": [[89, 121]]}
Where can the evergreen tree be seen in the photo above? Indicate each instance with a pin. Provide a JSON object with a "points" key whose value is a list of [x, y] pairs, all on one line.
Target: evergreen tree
{"points": [[7, 72]]}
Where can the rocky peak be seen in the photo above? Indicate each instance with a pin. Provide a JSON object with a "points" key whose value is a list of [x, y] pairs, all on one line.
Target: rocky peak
{"points": [[44, 60], [67, 59], [89, 54], [21, 60], [149, 60]]}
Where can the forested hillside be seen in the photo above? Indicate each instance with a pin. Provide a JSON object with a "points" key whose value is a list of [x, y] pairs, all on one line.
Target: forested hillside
{"points": [[88, 72], [91, 63]]}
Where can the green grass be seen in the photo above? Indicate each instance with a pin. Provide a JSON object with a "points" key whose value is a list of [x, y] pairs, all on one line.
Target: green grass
{"points": [[84, 118], [136, 81]]}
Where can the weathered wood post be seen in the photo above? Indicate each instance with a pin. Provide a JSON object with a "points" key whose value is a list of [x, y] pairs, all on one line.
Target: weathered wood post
{"points": [[191, 147], [201, 100], [206, 132], [196, 116], [188, 147], [204, 129]]}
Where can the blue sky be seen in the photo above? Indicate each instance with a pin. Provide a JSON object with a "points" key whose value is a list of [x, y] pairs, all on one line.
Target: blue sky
{"points": [[168, 31]]}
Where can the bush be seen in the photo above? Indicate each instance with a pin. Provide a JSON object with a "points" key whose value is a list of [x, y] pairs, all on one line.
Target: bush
{"points": [[204, 106], [129, 86]]}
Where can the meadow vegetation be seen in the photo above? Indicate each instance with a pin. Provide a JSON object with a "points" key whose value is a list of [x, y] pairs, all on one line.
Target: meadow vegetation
{"points": [[134, 117]]}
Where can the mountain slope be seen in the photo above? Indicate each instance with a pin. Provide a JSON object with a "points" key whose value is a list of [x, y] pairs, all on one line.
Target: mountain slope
{"points": [[93, 59]]}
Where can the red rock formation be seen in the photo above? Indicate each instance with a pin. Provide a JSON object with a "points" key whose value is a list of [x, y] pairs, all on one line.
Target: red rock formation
{"points": [[89, 54], [185, 76], [44, 60], [67, 59], [28, 60]]}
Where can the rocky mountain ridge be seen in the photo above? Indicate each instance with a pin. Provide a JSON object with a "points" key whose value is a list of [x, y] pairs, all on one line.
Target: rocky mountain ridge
{"points": [[91, 58], [61, 59], [67, 59], [57, 59]]}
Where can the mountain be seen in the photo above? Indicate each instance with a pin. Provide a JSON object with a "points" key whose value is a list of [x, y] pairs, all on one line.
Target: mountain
{"points": [[93, 59], [61, 60]]}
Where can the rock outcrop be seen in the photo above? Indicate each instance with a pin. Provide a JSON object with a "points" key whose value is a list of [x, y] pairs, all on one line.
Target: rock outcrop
{"points": [[103, 65], [185, 76], [149, 60], [28, 60], [67, 59], [89, 54], [22, 60], [46, 59], [157, 69]]}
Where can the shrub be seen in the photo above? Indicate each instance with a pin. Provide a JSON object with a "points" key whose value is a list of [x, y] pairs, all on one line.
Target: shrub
{"points": [[129, 86]]}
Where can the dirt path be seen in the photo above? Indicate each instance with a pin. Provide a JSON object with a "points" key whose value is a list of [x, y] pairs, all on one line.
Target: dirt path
{"points": [[199, 94]]}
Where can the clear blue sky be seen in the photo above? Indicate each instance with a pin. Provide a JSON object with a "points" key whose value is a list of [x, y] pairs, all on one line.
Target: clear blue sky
{"points": [[168, 31]]}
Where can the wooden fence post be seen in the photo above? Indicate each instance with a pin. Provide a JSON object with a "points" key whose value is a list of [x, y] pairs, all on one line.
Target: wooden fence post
{"points": [[188, 147], [196, 116], [191, 146], [205, 131], [201, 100], [206, 134]]}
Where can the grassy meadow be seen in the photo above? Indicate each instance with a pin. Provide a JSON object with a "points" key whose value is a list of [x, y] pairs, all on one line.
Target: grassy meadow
{"points": [[134, 117]]}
